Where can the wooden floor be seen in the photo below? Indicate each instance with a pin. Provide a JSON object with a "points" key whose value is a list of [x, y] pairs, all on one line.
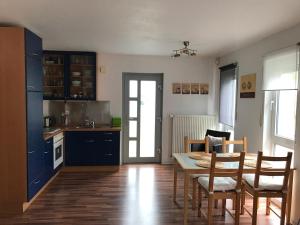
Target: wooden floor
{"points": [[135, 195]]}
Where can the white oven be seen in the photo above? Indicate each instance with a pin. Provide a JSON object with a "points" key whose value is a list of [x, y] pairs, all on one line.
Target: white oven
{"points": [[58, 150]]}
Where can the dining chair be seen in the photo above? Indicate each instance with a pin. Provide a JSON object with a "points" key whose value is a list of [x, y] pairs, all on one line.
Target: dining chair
{"points": [[207, 146], [221, 185], [242, 142], [187, 148], [264, 184]]}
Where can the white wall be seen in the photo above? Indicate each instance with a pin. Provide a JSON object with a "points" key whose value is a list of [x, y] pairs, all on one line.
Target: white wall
{"points": [[183, 69], [249, 111]]}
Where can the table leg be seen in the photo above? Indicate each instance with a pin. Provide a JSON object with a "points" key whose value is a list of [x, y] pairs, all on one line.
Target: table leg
{"points": [[186, 197], [289, 198], [175, 183]]}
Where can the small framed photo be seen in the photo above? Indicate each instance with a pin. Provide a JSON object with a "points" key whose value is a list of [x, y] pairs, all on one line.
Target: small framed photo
{"points": [[195, 88], [186, 88], [176, 88], [204, 89]]}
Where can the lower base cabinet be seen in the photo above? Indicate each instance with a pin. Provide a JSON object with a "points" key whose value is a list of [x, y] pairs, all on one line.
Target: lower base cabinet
{"points": [[92, 148], [40, 169]]}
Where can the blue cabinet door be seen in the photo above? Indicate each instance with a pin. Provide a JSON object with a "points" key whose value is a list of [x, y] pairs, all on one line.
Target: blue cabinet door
{"points": [[34, 74], [33, 44], [35, 121], [92, 148], [34, 67], [35, 142], [48, 160], [80, 147]]}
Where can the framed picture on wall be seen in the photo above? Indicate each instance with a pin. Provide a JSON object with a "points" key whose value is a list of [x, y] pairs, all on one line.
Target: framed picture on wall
{"points": [[248, 86], [186, 88], [204, 89], [195, 88], [176, 88]]}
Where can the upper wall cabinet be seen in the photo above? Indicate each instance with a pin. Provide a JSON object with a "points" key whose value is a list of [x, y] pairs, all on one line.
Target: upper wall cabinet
{"points": [[69, 75]]}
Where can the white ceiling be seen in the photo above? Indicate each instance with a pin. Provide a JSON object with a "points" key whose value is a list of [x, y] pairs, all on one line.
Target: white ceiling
{"points": [[151, 27]]}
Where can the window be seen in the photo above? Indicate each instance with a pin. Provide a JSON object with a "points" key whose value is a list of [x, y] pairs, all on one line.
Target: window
{"points": [[227, 94], [283, 116], [280, 83]]}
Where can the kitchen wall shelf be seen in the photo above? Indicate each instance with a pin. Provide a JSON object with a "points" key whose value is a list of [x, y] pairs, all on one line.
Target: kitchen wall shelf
{"points": [[69, 75]]}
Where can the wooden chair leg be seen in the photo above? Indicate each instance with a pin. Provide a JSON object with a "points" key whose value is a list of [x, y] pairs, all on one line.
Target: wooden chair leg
{"points": [[216, 203], [237, 208], [243, 199], [254, 210], [233, 203], [209, 209], [268, 204], [283, 209], [194, 200], [223, 206], [199, 200]]}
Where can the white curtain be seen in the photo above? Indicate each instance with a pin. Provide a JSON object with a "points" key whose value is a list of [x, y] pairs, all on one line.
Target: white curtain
{"points": [[281, 69]]}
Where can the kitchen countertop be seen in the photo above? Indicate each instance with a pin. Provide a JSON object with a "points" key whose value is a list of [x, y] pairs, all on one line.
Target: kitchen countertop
{"points": [[48, 135]]}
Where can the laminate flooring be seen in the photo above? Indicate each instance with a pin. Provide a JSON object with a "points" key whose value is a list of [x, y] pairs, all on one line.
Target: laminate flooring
{"points": [[135, 195]]}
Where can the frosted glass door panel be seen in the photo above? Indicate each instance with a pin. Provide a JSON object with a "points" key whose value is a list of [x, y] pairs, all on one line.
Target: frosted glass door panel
{"points": [[132, 149], [132, 128], [133, 89], [132, 109], [147, 119]]}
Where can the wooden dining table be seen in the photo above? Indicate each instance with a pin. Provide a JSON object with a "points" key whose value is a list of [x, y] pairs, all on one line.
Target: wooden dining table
{"points": [[186, 164]]}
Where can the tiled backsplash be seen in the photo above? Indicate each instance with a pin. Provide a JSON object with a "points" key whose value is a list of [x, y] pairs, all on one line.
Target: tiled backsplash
{"points": [[79, 112]]}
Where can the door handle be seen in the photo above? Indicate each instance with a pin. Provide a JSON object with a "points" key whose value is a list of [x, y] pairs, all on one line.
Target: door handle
{"points": [[36, 182]]}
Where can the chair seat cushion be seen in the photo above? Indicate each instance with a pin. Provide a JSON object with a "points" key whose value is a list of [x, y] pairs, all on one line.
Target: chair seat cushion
{"points": [[199, 175], [220, 183], [265, 182]]}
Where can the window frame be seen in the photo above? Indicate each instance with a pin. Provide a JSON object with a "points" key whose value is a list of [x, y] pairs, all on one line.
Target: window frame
{"points": [[276, 139]]}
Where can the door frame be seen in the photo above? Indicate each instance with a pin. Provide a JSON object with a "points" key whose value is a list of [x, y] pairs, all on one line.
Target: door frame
{"points": [[158, 111]]}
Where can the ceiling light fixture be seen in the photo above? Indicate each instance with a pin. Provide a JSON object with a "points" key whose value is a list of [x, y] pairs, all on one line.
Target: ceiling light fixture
{"points": [[184, 51]]}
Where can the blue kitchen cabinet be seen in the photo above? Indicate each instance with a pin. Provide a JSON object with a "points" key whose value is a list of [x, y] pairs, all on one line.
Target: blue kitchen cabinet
{"points": [[33, 58], [48, 161], [33, 45], [92, 148], [69, 75], [34, 106]]}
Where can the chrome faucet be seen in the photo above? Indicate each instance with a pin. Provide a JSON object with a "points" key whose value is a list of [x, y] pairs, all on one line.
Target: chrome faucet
{"points": [[92, 124]]}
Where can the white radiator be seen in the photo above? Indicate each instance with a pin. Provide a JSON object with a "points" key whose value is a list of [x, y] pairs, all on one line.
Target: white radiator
{"points": [[192, 126]]}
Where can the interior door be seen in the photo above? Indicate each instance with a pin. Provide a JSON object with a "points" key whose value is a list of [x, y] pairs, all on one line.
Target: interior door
{"points": [[142, 117]]}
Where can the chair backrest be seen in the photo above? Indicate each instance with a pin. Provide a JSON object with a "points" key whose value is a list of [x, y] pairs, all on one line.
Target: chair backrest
{"points": [[279, 172], [224, 172], [189, 142], [243, 142], [217, 133]]}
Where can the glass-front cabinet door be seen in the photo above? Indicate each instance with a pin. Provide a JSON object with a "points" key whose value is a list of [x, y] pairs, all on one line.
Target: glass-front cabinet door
{"points": [[69, 75], [82, 76], [54, 71]]}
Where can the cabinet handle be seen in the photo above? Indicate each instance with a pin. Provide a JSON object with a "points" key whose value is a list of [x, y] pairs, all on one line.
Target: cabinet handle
{"points": [[109, 154], [109, 133], [30, 152], [108, 140], [90, 141], [29, 86], [46, 152], [48, 142], [35, 54], [36, 182]]}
